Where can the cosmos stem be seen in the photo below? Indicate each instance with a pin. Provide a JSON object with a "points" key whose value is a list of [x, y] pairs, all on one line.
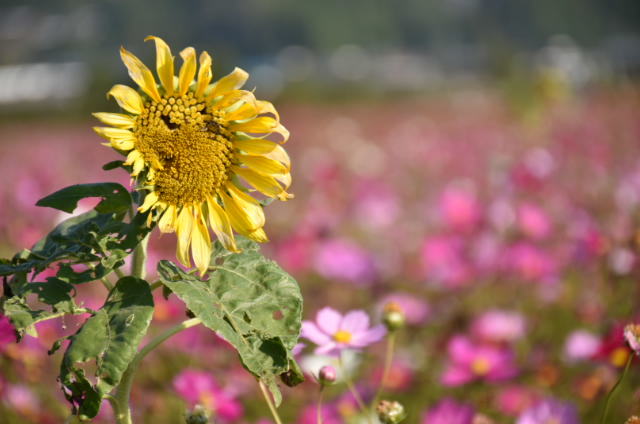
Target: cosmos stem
{"points": [[320, 396], [605, 412], [388, 360], [353, 390], [269, 401]]}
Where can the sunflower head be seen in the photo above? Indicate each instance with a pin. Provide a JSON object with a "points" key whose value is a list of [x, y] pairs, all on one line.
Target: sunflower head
{"points": [[198, 149]]}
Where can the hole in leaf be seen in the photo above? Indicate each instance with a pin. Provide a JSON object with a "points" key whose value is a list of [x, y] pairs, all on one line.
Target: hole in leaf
{"points": [[278, 315]]}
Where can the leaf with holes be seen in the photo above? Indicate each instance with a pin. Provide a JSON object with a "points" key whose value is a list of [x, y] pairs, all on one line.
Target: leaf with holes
{"points": [[108, 341], [250, 302], [115, 198]]}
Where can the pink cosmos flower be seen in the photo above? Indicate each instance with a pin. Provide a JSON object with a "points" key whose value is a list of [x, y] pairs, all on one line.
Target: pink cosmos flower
{"points": [[333, 332], [632, 336], [7, 332], [512, 400], [550, 411], [529, 262], [499, 326], [343, 260], [533, 221], [469, 361], [449, 411], [459, 208], [197, 387], [581, 345], [444, 262]]}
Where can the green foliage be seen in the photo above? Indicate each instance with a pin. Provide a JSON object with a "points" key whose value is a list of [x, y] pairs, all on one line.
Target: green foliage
{"points": [[115, 198], [109, 338], [250, 302]]}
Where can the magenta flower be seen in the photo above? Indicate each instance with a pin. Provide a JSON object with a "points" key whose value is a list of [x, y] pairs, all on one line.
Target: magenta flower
{"points": [[499, 326], [197, 387], [333, 332], [581, 345], [449, 411], [469, 361], [459, 208], [533, 221], [444, 261], [632, 336], [529, 262], [345, 261], [550, 411], [7, 332]]}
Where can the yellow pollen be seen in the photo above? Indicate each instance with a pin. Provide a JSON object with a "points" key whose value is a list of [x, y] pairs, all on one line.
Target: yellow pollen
{"points": [[342, 336], [187, 146], [393, 307], [480, 366]]}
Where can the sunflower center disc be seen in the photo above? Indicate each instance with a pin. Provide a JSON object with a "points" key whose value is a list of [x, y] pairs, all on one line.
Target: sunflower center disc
{"points": [[187, 147]]}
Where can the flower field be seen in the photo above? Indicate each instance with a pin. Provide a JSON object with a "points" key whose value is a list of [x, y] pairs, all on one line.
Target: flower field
{"points": [[488, 253]]}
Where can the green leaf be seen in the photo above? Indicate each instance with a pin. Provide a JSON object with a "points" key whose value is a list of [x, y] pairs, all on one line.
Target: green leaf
{"points": [[109, 338], [250, 302], [115, 198]]}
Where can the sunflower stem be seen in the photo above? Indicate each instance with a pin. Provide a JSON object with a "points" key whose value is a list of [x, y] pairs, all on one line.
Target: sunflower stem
{"points": [[120, 401], [267, 398], [607, 404], [139, 266]]}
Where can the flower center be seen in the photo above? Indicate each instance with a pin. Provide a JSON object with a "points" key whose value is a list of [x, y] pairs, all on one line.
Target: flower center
{"points": [[342, 336], [619, 356], [187, 147], [480, 366]]}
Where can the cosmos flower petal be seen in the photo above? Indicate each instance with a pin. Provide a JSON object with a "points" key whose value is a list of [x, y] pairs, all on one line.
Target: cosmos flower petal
{"points": [[456, 376], [355, 321], [327, 349], [233, 81], [204, 74], [187, 71], [127, 98], [329, 320], [312, 332], [139, 72], [461, 349], [221, 226], [200, 243], [164, 63], [367, 337], [118, 120]]}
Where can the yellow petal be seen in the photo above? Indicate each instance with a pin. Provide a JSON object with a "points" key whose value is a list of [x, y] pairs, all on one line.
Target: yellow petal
{"points": [[127, 98], [122, 144], [243, 112], [258, 235], [233, 81], [204, 74], [167, 222], [235, 97], [263, 165], [149, 200], [117, 120], [200, 243], [284, 133], [136, 159], [245, 213], [267, 107], [139, 72], [111, 133], [184, 228], [266, 185], [219, 222], [269, 149], [187, 71], [164, 63], [259, 125]]}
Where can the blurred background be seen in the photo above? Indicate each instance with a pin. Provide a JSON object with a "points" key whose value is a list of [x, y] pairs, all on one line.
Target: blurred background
{"points": [[476, 162]]}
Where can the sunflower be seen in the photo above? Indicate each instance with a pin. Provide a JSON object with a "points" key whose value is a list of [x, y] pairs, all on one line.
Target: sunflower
{"points": [[198, 149]]}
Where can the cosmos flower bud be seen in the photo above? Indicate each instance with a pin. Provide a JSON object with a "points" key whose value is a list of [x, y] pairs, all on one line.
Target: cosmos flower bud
{"points": [[198, 415], [390, 412], [393, 316], [327, 375], [632, 336]]}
